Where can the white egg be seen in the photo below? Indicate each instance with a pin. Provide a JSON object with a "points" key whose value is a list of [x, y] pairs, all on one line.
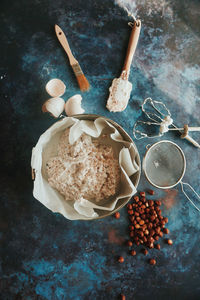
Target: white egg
{"points": [[73, 105], [55, 87], [55, 106]]}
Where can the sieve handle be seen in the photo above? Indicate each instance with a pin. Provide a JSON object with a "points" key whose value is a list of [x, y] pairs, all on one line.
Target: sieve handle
{"points": [[182, 187], [131, 48]]}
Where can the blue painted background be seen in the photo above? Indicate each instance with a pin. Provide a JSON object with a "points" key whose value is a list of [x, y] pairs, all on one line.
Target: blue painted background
{"points": [[43, 255]]}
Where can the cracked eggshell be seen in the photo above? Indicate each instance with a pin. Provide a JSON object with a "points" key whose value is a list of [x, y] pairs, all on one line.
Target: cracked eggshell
{"points": [[55, 106], [55, 87], [73, 106]]}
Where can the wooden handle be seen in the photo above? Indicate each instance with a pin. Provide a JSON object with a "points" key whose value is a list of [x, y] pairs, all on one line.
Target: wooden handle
{"points": [[131, 47], [63, 40], [191, 140]]}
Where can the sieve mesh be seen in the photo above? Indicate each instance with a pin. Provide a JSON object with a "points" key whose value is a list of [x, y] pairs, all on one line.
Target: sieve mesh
{"points": [[164, 164]]}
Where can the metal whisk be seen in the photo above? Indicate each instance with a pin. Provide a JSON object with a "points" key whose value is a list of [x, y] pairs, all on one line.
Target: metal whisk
{"points": [[163, 120]]}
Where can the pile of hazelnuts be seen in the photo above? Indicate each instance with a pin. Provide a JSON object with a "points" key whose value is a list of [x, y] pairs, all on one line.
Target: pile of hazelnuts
{"points": [[147, 225]]}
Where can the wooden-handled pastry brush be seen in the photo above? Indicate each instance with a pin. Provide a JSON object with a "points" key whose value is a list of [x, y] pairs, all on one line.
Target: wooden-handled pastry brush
{"points": [[82, 80]]}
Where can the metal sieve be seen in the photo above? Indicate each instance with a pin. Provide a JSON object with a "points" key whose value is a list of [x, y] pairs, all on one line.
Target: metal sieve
{"points": [[164, 166]]}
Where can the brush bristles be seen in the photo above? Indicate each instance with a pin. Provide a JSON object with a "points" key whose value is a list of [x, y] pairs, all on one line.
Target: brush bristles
{"points": [[82, 80], [83, 83]]}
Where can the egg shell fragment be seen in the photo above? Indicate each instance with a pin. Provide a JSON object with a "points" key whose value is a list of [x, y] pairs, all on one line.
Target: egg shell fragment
{"points": [[73, 106], [55, 106], [55, 87]]}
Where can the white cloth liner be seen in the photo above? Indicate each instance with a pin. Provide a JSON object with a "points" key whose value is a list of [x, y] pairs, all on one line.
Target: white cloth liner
{"points": [[47, 147]]}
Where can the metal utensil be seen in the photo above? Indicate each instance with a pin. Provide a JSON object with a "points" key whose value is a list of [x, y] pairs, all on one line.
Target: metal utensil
{"points": [[157, 112], [164, 166]]}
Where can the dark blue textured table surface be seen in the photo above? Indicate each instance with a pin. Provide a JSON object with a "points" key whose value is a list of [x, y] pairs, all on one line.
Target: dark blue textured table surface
{"points": [[42, 254]]}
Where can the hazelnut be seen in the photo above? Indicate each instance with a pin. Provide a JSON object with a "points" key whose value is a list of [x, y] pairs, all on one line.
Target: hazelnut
{"points": [[159, 213], [129, 244], [151, 239], [157, 246], [142, 194], [169, 242], [157, 230], [162, 222], [150, 226], [151, 210], [144, 227], [145, 251], [117, 215], [151, 192], [165, 219], [151, 202], [152, 232], [150, 245], [144, 239], [166, 230], [155, 225], [133, 252], [152, 261], [157, 208], [141, 234], [129, 206], [141, 222], [141, 211], [136, 238], [136, 198], [121, 259], [152, 218], [156, 221]]}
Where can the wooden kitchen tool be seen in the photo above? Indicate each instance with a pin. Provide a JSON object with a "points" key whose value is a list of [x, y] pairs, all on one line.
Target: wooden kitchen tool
{"points": [[121, 88], [82, 80]]}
